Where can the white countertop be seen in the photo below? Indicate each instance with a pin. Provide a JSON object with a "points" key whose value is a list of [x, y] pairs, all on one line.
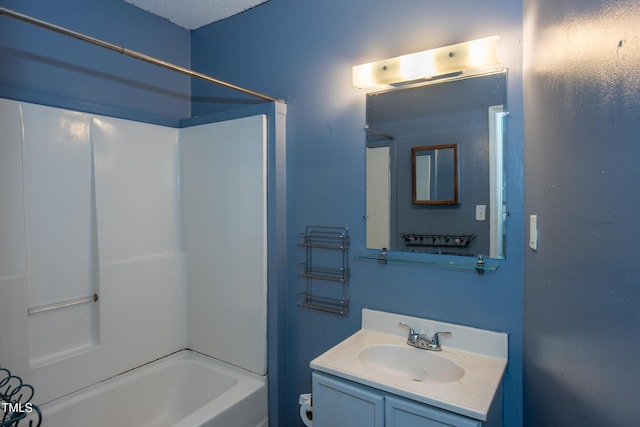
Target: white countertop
{"points": [[483, 357]]}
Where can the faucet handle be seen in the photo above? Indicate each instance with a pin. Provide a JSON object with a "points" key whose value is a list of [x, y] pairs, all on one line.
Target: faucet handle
{"points": [[435, 340], [413, 337]]}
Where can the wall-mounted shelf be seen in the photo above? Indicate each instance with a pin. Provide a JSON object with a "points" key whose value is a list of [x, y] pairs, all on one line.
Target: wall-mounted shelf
{"points": [[327, 262], [480, 265]]}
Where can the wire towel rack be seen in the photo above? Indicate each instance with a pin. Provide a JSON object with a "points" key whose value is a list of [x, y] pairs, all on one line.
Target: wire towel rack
{"points": [[326, 260]]}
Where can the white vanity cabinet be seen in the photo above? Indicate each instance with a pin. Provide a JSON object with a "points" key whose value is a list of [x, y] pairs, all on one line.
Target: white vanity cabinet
{"points": [[341, 403], [374, 378], [400, 412]]}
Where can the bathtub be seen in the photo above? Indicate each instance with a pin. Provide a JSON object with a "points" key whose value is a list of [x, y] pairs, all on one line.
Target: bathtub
{"points": [[184, 389]]}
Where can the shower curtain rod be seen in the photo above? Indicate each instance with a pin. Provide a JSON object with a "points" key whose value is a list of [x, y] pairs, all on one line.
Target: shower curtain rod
{"points": [[131, 53]]}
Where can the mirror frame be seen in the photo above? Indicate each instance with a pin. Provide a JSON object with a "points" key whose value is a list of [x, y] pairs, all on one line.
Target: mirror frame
{"points": [[414, 183]]}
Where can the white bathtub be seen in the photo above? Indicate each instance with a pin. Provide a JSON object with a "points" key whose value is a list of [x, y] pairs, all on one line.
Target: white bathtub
{"points": [[185, 389]]}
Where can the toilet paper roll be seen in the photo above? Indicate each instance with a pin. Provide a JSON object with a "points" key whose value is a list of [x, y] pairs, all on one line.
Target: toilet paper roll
{"points": [[305, 415], [306, 412]]}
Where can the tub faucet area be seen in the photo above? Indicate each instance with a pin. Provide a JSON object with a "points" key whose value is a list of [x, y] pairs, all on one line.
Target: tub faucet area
{"points": [[422, 340]]}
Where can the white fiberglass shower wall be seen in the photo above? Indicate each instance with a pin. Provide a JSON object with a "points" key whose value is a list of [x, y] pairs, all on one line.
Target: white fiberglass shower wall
{"points": [[224, 185], [167, 226]]}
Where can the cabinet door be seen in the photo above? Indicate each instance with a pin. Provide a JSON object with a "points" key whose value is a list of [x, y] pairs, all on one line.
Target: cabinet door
{"points": [[404, 413], [339, 403]]}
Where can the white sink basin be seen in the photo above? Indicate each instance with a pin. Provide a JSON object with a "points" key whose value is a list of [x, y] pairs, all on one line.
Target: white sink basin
{"points": [[463, 378], [410, 363]]}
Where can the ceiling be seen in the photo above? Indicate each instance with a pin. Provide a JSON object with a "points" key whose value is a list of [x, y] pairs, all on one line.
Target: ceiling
{"points": [[192, 14]]}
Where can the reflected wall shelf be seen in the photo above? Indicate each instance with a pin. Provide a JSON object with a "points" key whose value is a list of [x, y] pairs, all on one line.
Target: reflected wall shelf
{"points": [[326, 262], [480, 265], [437, 240]]}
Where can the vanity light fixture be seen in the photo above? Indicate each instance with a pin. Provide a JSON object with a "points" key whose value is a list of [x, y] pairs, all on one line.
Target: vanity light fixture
{"points": [[443, 61]]}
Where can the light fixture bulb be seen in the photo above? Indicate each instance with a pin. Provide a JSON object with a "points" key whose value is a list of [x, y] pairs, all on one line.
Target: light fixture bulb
{"points": [[428, 64]]}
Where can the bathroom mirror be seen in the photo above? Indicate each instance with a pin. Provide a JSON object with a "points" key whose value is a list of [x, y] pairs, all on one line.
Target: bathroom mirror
{"points": [[435, 172], [435, 175]]}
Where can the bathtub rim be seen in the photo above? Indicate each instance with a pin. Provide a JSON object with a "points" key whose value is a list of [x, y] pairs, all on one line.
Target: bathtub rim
{"points": [[247, 383]]}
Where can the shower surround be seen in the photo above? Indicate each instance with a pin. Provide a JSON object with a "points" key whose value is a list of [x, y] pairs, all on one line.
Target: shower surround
{"points": [[167, 226]]}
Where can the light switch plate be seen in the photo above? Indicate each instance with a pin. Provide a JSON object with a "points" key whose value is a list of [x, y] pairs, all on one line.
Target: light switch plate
{"points": [[481, 212], [533, 232]]}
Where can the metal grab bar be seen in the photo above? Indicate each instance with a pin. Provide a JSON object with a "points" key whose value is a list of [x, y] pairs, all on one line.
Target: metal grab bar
{"points": [[55, 305]]}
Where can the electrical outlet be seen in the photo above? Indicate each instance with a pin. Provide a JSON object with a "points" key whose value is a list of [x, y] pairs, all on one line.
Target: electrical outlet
{"points": [[533, 232]]}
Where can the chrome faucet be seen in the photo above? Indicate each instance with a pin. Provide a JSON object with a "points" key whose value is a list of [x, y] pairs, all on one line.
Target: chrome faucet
{"points": [[422, 340]]}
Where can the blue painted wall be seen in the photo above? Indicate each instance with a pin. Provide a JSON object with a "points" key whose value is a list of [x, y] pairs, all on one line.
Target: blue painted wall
{"points": [[303, 52], [39, 66], [582, 166]]}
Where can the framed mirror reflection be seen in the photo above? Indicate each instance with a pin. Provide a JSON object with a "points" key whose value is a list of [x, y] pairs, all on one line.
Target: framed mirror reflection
{"points": [[435, 169], [434, 174]]}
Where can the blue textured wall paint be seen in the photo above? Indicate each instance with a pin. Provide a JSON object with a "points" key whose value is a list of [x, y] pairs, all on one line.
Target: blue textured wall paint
{"points": [[43, 67], [582, 163], [303, 52]]}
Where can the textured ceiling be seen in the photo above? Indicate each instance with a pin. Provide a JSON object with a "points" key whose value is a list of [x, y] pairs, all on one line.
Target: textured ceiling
{"points": [[192, 14]]}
